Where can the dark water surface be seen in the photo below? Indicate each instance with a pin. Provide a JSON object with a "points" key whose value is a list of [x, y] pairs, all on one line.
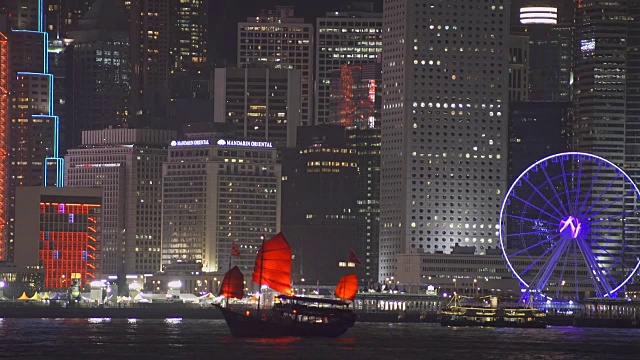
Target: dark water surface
{"points": [[80, 339]]}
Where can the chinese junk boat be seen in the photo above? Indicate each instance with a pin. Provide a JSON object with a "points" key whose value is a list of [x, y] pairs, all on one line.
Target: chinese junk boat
{"points": [[290, 315]]}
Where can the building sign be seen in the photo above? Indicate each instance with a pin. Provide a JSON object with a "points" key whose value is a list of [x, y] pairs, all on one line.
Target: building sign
{"points": [[96, 165], [190, 142], [245, 143]]}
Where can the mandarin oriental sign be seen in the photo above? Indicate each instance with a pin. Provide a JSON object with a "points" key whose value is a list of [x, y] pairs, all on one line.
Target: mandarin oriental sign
{"points": [[190, 142], [245, 143]]}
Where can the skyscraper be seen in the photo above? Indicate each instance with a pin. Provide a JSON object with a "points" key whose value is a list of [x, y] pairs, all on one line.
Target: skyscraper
{"points": [[355, 103], [549, 27], [101, 69], [149, 26], [283, 41], [351, 36], [217, 192], [607, 105], [34, 129], [127, 165], [262, 103], [444, 138]]}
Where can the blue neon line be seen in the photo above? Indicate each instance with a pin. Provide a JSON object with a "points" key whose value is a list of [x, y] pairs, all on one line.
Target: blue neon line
{"points": [[40, 15], [51, 97], [28, 31], [46, 52]]}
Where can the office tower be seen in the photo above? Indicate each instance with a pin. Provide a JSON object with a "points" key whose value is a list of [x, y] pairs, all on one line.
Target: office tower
{"points": [[351, 36], [444, 130], [188, 39], [320, 224], [606, 107], [101, 70], [34, 129], [59, 230], [282, 41], [127, 165], [149, 26], [262, 103], [356, 104], [549, 26], [189, 68], [62, 16], [217, 192]]}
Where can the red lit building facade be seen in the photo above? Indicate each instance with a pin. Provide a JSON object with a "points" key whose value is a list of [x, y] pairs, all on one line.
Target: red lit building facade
{"points": [[4, 143], [66, 242]]}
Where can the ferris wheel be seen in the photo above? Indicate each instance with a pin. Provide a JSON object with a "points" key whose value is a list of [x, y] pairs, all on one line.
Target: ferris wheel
{"points": [[570, 227]]}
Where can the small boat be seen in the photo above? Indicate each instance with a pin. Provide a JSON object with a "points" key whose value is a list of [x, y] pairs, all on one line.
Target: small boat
{"points": [[290, 315]]}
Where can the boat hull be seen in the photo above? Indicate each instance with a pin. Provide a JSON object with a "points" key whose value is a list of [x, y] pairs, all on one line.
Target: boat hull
{"points": [[243, 325]]}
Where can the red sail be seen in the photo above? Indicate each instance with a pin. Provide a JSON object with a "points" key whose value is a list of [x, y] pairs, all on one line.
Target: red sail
{"points": [[233, 284], [273, 265], [347, 287]]}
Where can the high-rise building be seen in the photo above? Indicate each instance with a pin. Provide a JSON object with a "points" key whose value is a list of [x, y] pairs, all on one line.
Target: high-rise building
{"points": [[189, 67], [217, 192], [188, 37], [356, 104], [444, 126], [351, 36], [607, 107], [262, 103], [34, 128], [320, 224], [62, 16], [101, 70], [59, 230], [127, 165], [283, 41], [549, 27], [149, 26]]}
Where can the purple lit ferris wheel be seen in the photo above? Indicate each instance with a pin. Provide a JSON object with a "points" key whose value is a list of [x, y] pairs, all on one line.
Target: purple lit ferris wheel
{"points": [[570, 227]]}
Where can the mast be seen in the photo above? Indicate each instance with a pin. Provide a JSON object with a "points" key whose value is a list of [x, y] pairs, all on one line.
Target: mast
{"points": [[261, 269], [226, 298]]}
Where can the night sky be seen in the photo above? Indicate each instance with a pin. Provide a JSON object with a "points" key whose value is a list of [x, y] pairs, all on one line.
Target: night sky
{"points": [[224, 16]]}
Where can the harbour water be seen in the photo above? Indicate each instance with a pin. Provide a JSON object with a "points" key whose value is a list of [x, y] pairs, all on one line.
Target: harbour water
{"points": [[210, 339]]}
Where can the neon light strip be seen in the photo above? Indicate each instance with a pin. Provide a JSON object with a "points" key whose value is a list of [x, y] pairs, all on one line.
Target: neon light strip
{"points": [[40, 15], [538, 9], [538, 15], [538, 21]]}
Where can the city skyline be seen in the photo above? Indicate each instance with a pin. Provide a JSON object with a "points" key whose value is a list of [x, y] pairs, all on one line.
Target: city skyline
{"points": [[438, 110]]}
